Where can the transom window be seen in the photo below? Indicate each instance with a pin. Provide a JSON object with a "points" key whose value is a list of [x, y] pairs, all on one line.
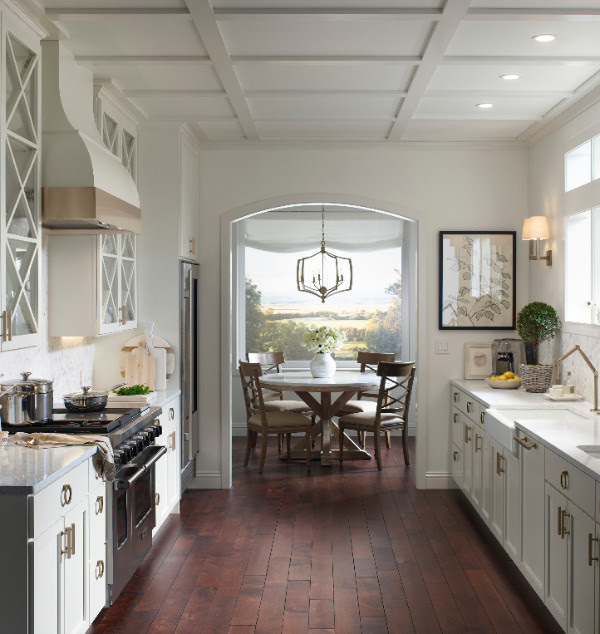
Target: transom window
{"points": [[582, 164]]}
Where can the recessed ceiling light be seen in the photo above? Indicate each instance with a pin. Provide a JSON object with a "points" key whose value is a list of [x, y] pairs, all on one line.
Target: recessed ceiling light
{"points": [[510, 76], [544, 37], [485, 105]]}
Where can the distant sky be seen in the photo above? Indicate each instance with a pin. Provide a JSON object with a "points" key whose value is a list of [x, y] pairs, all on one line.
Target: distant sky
{"points": [[275, 275]]}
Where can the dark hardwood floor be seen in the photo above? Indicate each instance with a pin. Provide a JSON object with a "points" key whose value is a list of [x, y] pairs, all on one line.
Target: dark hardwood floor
{"points": [[344, 550]]}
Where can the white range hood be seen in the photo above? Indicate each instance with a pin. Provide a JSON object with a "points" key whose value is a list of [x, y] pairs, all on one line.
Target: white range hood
{"points": [[85, 186]]}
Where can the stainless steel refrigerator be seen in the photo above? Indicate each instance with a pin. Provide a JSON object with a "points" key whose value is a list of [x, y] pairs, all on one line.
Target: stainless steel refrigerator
{"points": [[188, 345]]}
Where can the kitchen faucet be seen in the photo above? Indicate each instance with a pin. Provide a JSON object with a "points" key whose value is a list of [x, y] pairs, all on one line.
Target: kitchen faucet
{"points": [[577, 348]]}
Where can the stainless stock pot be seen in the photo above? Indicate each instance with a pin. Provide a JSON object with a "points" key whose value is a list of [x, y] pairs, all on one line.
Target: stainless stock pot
{"points": [[26, 400]]}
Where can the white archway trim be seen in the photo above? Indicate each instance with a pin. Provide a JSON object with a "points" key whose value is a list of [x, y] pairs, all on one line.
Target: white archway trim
{"points": [[269, 204]]}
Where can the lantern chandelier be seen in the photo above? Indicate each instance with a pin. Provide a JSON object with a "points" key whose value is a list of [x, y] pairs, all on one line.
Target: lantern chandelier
{"points": [[315, 272]]}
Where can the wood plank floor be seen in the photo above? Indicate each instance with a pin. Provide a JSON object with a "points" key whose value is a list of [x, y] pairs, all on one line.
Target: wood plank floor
{"points": [[345, 550]]}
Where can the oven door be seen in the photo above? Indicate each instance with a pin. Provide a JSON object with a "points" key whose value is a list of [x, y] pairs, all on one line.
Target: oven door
{"points": [[133, 516]]}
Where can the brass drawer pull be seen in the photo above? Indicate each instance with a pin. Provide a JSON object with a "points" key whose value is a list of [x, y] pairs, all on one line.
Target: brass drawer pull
{"points": [[529, 445], [477, 439], [591, 540], [564, 480], [69, 533], [499, 468], [456, 418], [66, 495], [99, 569], [469, 404], [157, 498], [559, 521], [171, 413], [456, 397], [564, 530], [467, 437], [482, 418], [99, 504], [455, 456]]}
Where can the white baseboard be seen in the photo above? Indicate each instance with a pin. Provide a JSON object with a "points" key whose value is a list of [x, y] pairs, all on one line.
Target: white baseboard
{"points": [[206, 480], [439, 480]]}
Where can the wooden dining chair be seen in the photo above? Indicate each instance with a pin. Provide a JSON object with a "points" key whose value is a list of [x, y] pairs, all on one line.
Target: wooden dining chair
{"points": [[261, 421], [391, 411], [275, 400], [366, 399]]}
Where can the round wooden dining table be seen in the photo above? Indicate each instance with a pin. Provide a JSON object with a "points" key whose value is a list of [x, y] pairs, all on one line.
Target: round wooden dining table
{"points": [[346, 383]]}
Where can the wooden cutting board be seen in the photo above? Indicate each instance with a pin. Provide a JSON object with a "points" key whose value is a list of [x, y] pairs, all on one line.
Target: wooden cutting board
{"points": [[140, 367]]}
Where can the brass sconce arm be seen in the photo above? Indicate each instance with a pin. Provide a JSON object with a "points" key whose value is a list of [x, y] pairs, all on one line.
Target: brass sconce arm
{"points": [[577, 348]]}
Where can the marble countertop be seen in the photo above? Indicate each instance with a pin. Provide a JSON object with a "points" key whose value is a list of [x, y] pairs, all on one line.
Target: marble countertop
{"points": [[25, 471], [563, 437]]}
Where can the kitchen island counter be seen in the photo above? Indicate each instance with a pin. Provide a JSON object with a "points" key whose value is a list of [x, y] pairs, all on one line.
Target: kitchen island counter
{"points": [[29, 471]]}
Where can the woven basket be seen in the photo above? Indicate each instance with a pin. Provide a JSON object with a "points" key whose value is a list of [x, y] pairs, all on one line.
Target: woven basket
{"points": [[536, 378]]}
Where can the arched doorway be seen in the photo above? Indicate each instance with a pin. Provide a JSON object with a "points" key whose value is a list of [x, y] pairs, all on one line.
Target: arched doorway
{"points": [[414, 276]]}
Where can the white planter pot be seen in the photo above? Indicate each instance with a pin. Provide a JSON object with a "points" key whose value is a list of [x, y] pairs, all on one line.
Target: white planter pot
{"points": [[322, 366]]}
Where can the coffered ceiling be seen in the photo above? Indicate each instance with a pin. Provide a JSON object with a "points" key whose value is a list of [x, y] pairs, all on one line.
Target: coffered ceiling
{"points": [[342, 70]]}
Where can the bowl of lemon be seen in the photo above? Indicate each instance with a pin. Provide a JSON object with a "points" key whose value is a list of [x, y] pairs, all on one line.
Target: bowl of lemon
{"points": [[507, 381]]}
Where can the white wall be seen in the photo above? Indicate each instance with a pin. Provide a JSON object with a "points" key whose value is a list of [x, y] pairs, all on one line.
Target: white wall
{"points": [[67, 360], [449, 187], [547, 197]]}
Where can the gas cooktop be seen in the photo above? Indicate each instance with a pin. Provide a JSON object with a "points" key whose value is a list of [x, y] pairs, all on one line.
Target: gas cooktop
{"points": [[65, 422]]}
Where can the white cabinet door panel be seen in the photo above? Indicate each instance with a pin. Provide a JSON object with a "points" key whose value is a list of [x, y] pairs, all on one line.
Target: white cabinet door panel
{"points": [[582, 599], [45, 584], [75, 570], [512, 537], [556, 560]]}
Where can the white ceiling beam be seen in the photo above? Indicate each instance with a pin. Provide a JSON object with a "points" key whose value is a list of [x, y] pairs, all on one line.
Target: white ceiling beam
{"points": [[443, 31], [324, 118], [144, 59], [486, 60], [328, 13], [528, 14], [325, 59], [325, 93], [206, 25], [484, 118], [150, 92], [93, 13], [499, 94]]}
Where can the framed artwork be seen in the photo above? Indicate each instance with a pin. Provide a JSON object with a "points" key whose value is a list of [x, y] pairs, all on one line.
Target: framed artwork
{"points": [[478, 360], [477, 280]]}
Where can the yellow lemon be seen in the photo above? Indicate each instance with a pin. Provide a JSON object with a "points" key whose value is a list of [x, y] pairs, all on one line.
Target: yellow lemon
{"points": [[502, 378], [509, 375], [516, 378]]}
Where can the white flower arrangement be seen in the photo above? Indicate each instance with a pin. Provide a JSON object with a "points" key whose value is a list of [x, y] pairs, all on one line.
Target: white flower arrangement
{"points": [[324, 339]]}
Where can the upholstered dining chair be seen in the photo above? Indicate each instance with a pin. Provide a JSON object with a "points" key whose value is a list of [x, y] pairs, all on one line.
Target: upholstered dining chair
{"points": [[391, 410], [261, 421], [366, 400], [275, 401]]}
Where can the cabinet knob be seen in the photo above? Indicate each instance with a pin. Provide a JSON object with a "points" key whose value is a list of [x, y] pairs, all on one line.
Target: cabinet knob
{"points": [[66, 495], [157, 498], [171, 413]]}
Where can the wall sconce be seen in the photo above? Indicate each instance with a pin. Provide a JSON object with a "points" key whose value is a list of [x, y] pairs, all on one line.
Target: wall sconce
{"points": [[535, 229]]}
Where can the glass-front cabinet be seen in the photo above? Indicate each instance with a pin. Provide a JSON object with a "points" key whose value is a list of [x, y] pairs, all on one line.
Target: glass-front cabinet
{"points": [[20, 229], [117, 283]]}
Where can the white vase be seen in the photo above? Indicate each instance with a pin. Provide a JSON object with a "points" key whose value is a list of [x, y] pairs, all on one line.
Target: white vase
{"points": [[322, 366]]}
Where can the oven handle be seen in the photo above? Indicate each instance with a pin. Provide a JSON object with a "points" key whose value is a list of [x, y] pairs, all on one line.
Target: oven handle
{"points": [[126, 483]]}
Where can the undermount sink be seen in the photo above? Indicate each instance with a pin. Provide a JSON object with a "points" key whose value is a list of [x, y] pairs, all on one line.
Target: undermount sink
{"points": [[500, 423], [590, 450]]}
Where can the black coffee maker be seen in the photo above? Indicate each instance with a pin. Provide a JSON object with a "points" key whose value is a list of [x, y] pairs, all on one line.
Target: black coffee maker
{"points": [[507, 355]]}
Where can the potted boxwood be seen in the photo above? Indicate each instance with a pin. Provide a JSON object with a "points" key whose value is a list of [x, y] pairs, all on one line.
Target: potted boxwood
{"points": [[536, 322]]}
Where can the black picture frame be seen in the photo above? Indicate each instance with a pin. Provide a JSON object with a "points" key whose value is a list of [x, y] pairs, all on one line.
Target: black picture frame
{"points": [[477, 280]]}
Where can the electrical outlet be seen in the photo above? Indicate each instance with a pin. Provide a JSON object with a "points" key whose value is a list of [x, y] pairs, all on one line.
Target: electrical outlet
{"points": [[441, 346]]}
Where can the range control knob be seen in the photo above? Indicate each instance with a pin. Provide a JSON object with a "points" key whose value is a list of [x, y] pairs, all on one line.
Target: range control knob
{"points": [[142, 438], [157, 427], [133, 448]]}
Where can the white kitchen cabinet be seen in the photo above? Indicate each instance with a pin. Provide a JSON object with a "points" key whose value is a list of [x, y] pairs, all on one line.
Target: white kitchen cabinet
{"points": [[512, 528], [467, 481], [98, 296], [486, 480], [497, 491], [571, 592], [168, 468], [457, 465], [20, 200], [97, 514], [531, 460], [480, 439], [189, 197]]}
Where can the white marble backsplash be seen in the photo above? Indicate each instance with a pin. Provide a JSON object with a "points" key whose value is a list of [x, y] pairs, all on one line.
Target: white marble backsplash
{"points": [[68, 361]]}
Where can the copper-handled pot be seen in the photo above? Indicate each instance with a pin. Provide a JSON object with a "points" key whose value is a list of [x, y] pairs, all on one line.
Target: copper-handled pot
{"points": [[87, 400]]}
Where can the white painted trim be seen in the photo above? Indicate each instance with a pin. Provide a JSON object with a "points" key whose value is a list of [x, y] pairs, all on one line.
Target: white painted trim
{"points": [[439, 480], [421, 318], [207, 480]]}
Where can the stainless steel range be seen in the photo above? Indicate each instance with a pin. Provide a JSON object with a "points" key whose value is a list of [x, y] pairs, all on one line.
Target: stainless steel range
{"points": [[131, 500]]}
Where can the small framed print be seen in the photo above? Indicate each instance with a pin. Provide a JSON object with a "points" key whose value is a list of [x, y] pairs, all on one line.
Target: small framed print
{"points": [[478, 360], [477, 280]]}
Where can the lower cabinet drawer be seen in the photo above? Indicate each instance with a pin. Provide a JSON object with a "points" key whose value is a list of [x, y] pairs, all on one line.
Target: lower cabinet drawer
{"points": [[571, 481], [58, 499]]}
